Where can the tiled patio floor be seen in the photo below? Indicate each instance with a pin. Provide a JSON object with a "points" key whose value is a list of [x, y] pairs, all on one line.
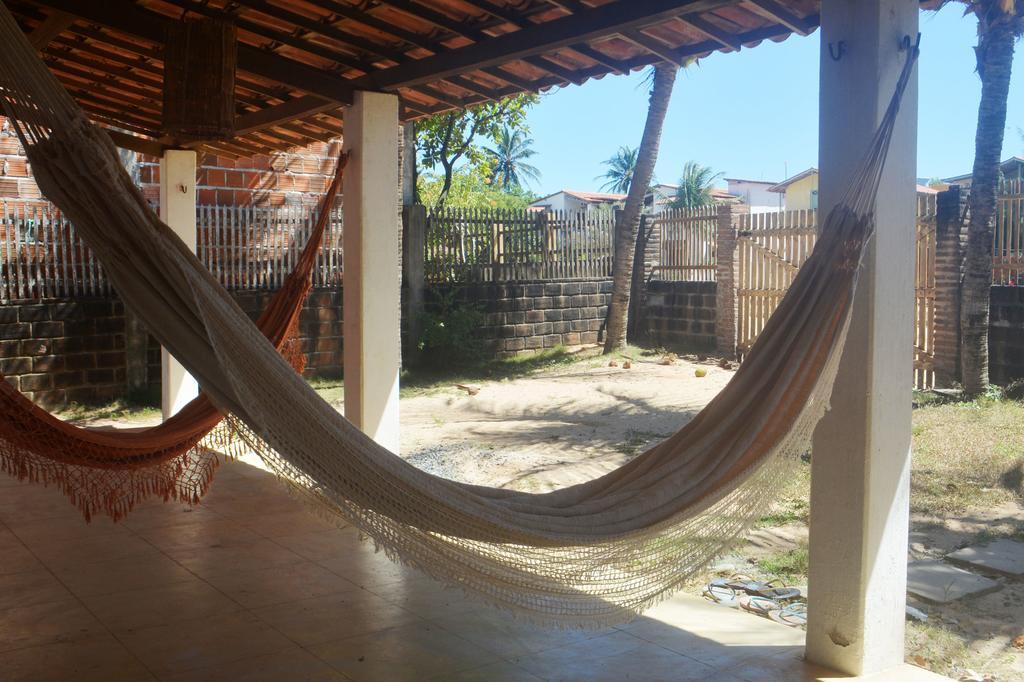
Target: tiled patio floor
{"points": [[249, 586]]}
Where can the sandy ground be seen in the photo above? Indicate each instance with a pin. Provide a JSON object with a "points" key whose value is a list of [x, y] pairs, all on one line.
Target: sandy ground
{"points": [[556, 428], [575, 422]]}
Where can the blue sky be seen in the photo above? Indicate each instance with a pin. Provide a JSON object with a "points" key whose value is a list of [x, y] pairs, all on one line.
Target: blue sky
{"points": [[755, 114]]}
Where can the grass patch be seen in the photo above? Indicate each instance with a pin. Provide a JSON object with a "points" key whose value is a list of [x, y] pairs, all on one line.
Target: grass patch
{"points": [[967, 454], [122, 410], [790, 565]]}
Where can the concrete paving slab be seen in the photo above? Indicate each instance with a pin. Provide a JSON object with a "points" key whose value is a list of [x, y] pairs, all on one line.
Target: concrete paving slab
{"points": [[938, 582], [1000, 556]]}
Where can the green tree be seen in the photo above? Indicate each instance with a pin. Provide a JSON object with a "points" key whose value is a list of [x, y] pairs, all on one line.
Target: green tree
{"points": [[509, 169], [453, 137], [471, 187], [1000, 25], [627, 225], [621, 166], [695, 185]]}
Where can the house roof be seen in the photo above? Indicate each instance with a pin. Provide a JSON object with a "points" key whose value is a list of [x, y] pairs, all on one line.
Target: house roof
{"points": [[752, 182], [589, 197], [781, 187], [300, 61], [967, 176]]}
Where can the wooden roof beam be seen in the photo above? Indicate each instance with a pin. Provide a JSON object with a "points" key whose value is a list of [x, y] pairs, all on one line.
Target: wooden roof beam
{"points": [[537, 39], [52, 26], [771, 9], [655, 47], [711, 31], [132, 19]]}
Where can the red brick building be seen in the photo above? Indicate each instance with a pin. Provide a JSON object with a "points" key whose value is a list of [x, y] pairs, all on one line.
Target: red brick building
{"points": [[298, 176]]}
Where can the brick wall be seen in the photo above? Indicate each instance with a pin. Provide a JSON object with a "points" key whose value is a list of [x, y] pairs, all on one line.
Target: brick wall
{"points": [[57, 352], [681, 314], [523, 317], [1006, 335], [298, 176], [60, 352], [15, 171], [319, 327]]}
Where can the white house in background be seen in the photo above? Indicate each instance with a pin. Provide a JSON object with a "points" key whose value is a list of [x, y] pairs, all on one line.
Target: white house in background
{"points": [[661, 196], [574, 201], [756, 194]]}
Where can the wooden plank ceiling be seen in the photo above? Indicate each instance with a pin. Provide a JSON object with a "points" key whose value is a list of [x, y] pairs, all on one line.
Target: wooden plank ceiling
{"points": [[299, 61]]}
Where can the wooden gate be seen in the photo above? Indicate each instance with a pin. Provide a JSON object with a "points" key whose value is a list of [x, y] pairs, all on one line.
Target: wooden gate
{"points": [[687, 244], [769, 252], [924, 293]]}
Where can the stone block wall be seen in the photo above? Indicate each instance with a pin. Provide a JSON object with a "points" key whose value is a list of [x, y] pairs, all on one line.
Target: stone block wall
{"points": [[61, 352], [524, 317], [1006, 335], [319, 327], [681, 314]]}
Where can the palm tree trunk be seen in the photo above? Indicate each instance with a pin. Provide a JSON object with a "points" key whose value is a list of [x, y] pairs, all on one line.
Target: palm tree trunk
{"points": [[628, 222], [995, 57]]}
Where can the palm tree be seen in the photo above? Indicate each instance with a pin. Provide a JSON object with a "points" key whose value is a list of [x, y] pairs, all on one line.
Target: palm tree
{"points": [[627, 223], [621, 166], [695, 186], [510, 169], [1000, 24]]}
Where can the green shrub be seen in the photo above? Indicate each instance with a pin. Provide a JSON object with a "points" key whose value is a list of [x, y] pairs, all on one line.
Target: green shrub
{"points": [[450, 334]]}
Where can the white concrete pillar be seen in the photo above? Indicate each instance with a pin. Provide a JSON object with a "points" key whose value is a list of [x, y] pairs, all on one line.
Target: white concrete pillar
{"points": [[860, 465], [178, 211], [372, 272]]}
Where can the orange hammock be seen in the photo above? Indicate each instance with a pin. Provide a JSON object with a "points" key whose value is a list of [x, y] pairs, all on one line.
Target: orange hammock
{"points": [[110, 471]]}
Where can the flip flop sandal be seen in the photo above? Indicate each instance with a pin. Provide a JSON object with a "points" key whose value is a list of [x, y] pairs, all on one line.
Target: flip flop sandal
{"points": [[762, 606], [779, 593], [721, 594], [794, 615], [771, 589]]}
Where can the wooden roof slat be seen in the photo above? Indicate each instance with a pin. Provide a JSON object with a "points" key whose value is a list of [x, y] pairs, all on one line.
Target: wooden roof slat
{"points": [[132, 19], [776, 12]]}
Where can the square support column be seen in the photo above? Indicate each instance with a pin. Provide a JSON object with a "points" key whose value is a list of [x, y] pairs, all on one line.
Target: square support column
{"points": [[860, 462], [178, 210], [372, 272]]}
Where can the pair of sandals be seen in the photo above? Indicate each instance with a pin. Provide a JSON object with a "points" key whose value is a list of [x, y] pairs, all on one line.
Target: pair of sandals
{"points": [[762, 598]]}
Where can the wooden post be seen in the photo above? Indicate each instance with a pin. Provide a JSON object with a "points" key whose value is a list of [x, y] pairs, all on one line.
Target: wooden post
{"points": [[948, 272], [725, 276], [414, 228]]}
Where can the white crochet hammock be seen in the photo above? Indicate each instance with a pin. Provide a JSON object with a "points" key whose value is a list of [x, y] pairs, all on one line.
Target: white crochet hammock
{"points": [[593, 554]]}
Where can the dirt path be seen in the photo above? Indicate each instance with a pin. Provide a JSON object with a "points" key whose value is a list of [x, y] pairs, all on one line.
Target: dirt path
{"points": [[555, 428]]}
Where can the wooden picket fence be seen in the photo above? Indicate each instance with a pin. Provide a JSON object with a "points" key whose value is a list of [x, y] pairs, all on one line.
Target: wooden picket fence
{"points": [[687, 244], [244, 247], [41, 256], [1008, 236], [498, 245], [249, 247]]}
